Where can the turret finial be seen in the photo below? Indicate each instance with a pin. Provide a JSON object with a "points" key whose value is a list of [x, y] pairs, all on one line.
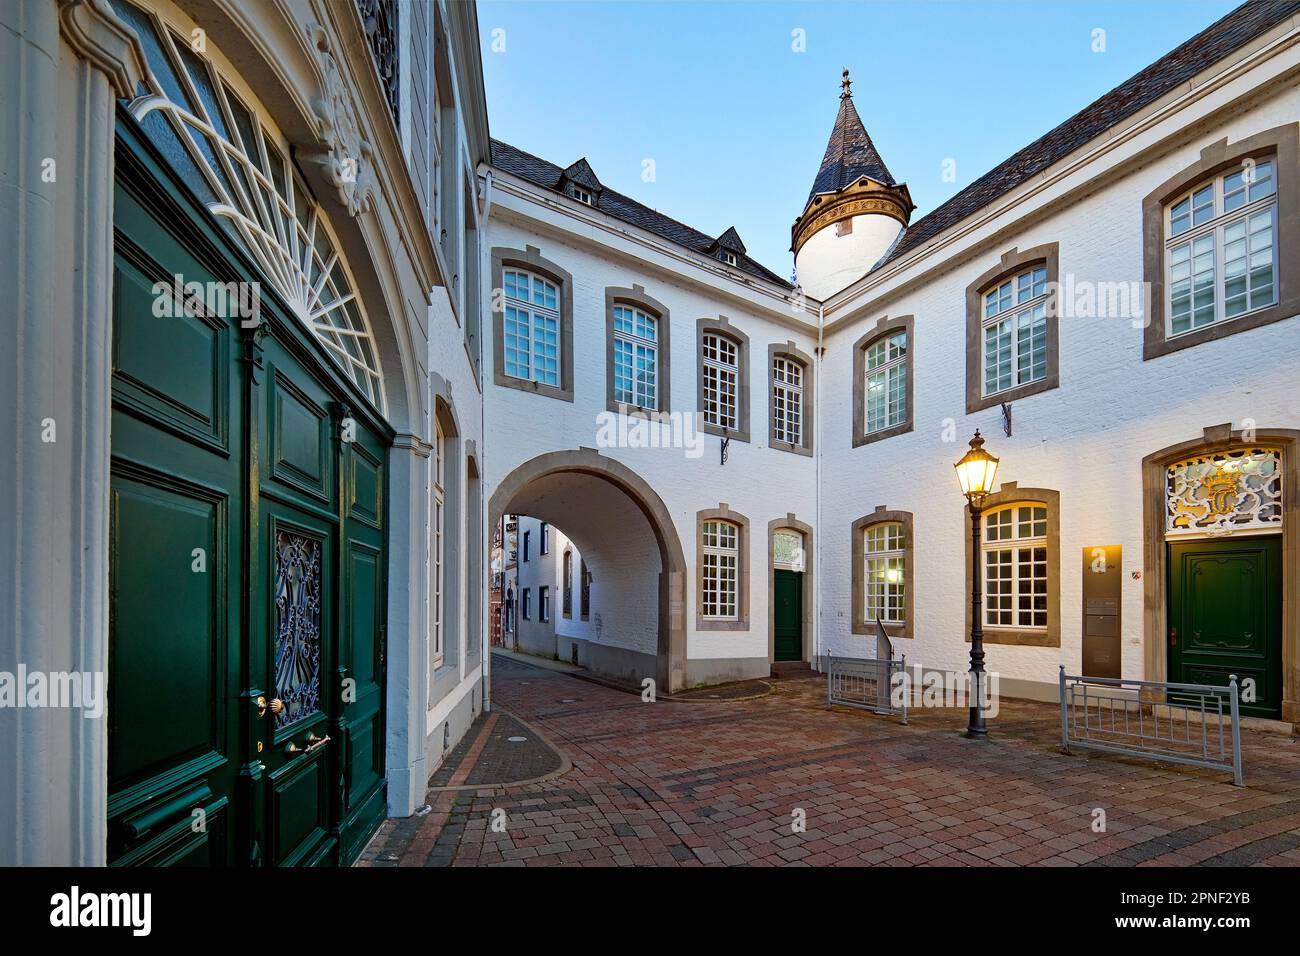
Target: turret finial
{"points": [[845, 84]]}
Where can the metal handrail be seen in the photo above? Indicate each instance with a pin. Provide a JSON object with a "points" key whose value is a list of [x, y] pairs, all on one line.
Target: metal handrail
{"points": [[1091, 720]]}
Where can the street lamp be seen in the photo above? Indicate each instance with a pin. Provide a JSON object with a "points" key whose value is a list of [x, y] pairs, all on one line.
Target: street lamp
{"points": [[976, 472]]}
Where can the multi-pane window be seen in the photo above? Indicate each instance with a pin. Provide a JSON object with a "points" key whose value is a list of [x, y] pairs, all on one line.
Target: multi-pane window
{"points": [[886, 566], [721, 571], [437, 563], [544, 604], [886, 382], [1220, 248], [531, 327], [1015, 566], [568, 584], [721, 373], [636, 357], [1014, 331], [787, 400]]}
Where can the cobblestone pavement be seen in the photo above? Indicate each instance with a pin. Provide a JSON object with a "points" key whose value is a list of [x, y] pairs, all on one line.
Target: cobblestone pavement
{"points": [[694, 784]]}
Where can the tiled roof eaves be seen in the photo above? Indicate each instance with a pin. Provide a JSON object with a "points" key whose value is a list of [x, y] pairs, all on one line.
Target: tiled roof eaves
{"points": [[1216, 42], [542, 173]]}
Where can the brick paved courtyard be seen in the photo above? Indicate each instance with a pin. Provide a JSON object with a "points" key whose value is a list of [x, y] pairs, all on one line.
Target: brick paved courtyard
{"points": [[695, 784]]}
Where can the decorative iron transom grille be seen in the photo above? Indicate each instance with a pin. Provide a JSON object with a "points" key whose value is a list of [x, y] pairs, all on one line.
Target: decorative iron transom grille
{"points": [[297, 625], [225, 151], [1222, 493]]}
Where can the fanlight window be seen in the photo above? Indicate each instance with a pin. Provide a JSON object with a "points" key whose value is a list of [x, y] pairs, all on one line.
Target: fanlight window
{"points": [[1219, 494], [241, 171]]}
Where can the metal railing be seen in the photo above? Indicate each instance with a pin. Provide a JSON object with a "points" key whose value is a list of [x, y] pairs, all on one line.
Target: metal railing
{"points": [[868, 684], [1194, 724]]}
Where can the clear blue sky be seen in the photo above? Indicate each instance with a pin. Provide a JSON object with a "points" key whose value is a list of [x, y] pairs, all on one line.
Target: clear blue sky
{"points": [[736, 121]]}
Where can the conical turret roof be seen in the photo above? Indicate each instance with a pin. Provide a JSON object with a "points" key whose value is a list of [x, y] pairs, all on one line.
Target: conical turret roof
{"points": [[850, 154]]}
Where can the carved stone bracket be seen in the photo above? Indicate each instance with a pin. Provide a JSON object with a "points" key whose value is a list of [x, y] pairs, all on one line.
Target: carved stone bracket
{"points": [[97, 34], [345, 154]]}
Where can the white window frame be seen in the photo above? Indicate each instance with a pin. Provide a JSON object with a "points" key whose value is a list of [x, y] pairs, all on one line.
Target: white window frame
{"points": [[1208, 238], [636, 331], [720, 575], [531, 327], [583, 196], [526, 605], [728, 257], [884, 567], [1015, 544], [720, 367], [437, 546], [1017, 303], [544, 604], [889, 373], [787, 400]]}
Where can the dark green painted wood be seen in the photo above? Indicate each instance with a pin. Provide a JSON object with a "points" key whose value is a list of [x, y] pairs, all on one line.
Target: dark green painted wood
{"points": [[787, 618], [1225, 616], [223, 438]]}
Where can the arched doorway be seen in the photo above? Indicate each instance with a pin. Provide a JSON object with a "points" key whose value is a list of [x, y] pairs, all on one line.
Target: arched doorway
{"points": [[620, 525], [1221, 537]]}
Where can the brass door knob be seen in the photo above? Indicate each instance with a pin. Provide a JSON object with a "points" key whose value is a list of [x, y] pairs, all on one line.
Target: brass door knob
{"points": [[275, 706]]}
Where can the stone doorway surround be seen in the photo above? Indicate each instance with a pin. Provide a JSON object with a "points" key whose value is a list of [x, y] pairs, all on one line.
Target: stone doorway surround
{"points": [[1155, 623], [791, 523]]}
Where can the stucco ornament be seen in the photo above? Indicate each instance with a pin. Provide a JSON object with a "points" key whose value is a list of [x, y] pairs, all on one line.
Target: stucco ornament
{"points": [[346, 156]]}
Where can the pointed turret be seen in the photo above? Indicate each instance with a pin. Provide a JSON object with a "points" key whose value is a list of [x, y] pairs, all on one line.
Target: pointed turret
{"points": [[854, 211]]}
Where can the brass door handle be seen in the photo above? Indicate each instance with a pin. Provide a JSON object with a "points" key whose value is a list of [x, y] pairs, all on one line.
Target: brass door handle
{"points": [[313, 743], [275, 706]]}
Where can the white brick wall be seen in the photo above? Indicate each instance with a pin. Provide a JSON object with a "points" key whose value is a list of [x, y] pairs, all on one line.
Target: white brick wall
{"points": [[1085, 439], [758, 482]]}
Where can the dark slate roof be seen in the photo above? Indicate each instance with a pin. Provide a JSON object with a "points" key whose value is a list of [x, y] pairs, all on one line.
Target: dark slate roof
{"points": [[730, 240], [1214, 43], [582, 174], [850, 154], [625, 209]]}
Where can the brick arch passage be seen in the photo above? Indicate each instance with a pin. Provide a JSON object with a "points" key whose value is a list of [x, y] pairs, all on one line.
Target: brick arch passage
{"points": [[670, 671]]}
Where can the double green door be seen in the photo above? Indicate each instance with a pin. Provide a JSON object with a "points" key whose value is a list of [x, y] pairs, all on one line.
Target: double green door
{"points": [[247, 528], [1225, 617]]}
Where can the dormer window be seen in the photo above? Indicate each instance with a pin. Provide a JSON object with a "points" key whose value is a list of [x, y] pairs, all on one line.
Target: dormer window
{"points": [[582, 195], [728, 257]]}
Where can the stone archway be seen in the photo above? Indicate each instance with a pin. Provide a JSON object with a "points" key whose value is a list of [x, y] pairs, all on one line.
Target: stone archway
{"points": [[670, 667]]}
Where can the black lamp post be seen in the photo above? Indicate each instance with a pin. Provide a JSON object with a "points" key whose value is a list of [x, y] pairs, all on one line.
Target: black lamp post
{"points": [[976, 472]]}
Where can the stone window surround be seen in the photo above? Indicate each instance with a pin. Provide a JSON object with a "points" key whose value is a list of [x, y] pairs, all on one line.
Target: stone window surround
{"points": [[857, 614], [723, 512], [1012, 493], [1012, 262], [638, 299], [447, 671], [1155, 616], [530, 258], [790, 351], [791, 523], [1282, 142], [886, 326], [722, 325]]}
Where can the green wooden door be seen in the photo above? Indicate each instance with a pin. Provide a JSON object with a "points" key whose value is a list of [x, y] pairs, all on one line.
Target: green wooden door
{"points": [[247, 574], [787, 616], [177, 499], [1225, 616]]}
